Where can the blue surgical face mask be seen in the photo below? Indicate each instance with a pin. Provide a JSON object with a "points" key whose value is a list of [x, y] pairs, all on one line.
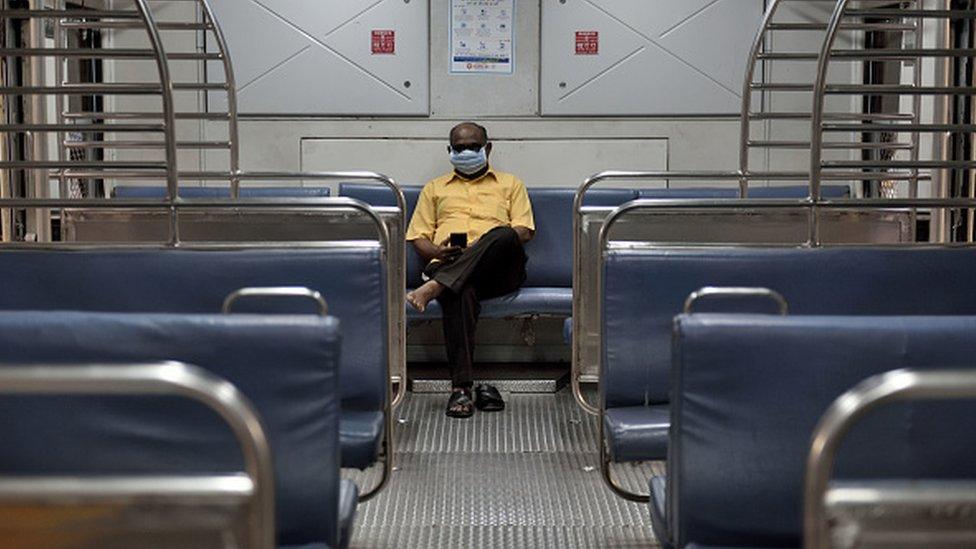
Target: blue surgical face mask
{"points": [[469, 162]]}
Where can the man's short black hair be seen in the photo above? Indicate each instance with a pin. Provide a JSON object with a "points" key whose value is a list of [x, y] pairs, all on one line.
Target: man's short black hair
{"points": [[479, 127]]}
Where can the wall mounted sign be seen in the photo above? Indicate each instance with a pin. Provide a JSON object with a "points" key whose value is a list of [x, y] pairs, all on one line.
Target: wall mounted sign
{"points": [[383, 42], [587, 43], [482, 36]]}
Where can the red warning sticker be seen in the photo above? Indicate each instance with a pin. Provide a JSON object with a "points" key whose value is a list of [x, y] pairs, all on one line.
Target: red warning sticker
{"points": [[384, 42], [587, 43]]}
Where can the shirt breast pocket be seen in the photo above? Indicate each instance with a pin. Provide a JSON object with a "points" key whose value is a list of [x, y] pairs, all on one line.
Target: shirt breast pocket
{"points": [[494, 207]]}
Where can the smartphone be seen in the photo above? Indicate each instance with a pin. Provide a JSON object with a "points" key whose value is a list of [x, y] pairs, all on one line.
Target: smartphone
{"points": [[459, 239]]}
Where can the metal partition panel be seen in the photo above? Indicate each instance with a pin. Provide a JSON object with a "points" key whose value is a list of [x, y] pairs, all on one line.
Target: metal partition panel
{"points": [[144, 511]]}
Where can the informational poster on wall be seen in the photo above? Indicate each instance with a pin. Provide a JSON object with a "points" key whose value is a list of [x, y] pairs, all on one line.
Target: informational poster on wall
{"points": [[483, 36]]}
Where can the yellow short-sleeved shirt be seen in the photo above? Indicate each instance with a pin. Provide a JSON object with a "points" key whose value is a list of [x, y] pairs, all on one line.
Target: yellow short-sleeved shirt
{"points": [[452, 204]]}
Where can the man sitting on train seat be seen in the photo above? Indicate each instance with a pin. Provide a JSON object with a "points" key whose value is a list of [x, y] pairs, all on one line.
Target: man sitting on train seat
{"points": [[469, 226]]}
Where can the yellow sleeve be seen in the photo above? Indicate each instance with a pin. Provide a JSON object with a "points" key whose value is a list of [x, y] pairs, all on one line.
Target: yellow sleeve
{"points": [[424, 220], [521, 209]]}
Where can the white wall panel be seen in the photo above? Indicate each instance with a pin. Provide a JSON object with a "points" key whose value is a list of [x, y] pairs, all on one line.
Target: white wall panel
{"points": [[538, 162], [656, 57], [314, 57]]}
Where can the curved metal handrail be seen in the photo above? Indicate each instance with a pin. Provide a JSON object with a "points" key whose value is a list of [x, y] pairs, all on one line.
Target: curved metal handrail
{"points": [[169, 109], [816, 115], [169, 378], [275, 291], [230, 80], [398, 290], [837, 421], [744, 123], [912, 11], [726, 292], [138, 17]]}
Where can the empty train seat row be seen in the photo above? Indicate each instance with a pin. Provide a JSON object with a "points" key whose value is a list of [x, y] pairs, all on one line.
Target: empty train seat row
{"points": [[748, 391], [195, 281], [645, 287], [549, 281], [286, 366]]}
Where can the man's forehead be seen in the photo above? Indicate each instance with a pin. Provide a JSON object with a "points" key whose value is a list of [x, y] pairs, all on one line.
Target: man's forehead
{"points": [[466, 132]]}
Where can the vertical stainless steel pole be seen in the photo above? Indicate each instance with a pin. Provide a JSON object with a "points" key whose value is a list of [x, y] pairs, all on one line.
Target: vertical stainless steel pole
{"points": [[60, 104], [941, 141], [38, 219], [6, 138]]}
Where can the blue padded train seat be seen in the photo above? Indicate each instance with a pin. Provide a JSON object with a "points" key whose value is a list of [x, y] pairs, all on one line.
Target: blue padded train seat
{"points": [[749, 390], [549, 278], [378, 195], [152, 192], [645, 288], [782, 192], [197, 281], [287, 366]]}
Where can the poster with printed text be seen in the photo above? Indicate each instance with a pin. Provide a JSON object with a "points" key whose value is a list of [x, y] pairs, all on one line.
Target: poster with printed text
{"points": [[483, 36]]}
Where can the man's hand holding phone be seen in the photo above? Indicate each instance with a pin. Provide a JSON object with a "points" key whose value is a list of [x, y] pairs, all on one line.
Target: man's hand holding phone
{"points": [[450, 249]]}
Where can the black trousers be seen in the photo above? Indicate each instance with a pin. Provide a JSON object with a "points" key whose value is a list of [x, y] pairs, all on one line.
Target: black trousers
{"points": [[492, 267]]}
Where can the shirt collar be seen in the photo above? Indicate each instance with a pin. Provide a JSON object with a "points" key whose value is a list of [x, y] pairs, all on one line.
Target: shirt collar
{"points": [[455, 177]]}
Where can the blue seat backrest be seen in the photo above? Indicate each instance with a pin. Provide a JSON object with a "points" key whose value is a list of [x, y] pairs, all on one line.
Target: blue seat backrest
{"points": [[197, 281], [645, 288], [550, 251], [136, 191], [377, 195], [285, 365], [749, 391], [786, 191]]}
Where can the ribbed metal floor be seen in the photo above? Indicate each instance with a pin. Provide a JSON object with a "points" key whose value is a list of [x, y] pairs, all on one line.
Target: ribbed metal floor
{"points": [[526, 477]]}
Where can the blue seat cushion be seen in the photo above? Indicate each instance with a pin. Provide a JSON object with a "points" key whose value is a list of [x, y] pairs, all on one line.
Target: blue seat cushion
{"points": [[150, 192], [348, 499], [568, 330], [637, 433], [361, 434], [659, 517], [524, 302], [287, 366]]}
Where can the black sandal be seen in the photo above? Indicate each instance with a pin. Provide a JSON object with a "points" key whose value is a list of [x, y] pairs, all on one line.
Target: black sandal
{"points": [[460, 398], [488, 399]]}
